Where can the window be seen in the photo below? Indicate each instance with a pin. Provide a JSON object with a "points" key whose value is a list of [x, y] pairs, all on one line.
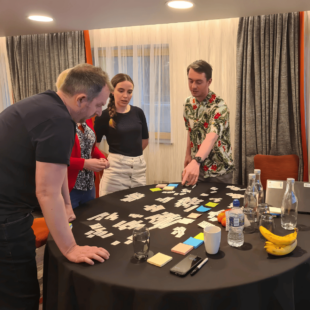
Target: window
{"points": [[148, 66]]}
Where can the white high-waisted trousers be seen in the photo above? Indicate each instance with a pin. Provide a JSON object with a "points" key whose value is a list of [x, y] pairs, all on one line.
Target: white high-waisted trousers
{"points": [[124, 172]]}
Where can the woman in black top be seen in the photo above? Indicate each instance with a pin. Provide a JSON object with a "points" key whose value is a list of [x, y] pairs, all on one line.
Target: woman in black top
{"points": [[127, 135]]}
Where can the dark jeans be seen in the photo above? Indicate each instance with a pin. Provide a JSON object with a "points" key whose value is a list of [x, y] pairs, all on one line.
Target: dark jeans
{"points": [[19, 287], [79, 197]]}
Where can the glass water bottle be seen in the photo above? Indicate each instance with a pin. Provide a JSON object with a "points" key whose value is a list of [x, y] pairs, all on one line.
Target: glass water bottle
{"points": [[259, 186], [251, 195], [289, 207]]}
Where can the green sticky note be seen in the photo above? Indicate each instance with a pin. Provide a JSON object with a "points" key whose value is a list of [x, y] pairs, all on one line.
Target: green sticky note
{"points": [[155, 189], [211, 204], [200, 236]]}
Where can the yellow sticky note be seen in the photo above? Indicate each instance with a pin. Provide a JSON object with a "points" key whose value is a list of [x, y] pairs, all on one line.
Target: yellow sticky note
{"points": [[155, 189], [211, 204], [200, 236], [159, 259]]}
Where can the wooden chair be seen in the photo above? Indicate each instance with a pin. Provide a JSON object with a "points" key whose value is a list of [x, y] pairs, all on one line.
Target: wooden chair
{"points": [[276, 167]]}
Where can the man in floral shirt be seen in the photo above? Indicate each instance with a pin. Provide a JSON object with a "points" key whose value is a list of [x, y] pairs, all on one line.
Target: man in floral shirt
{"points": [[208, 153]]}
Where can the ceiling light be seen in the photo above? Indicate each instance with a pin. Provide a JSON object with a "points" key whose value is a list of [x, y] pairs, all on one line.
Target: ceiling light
{"points": [[41, 18], [180, 4]]}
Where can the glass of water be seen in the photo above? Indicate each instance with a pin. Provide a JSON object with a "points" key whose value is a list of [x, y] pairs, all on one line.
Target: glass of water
{"points": [[141, 242], [267, 221], [249, 220], [262, 208]]}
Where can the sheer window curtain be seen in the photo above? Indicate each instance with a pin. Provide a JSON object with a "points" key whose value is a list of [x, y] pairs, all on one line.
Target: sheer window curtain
{"points": [[307, 81], [5, 78], [160, 55]]}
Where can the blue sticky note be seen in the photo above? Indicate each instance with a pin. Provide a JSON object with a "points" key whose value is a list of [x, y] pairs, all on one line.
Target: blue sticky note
{"points": [[203, 209], [194, 242], [174, 185]]}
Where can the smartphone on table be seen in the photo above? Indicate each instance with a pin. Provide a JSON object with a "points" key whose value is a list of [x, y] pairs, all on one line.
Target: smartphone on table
{"points": [[186, 265]]}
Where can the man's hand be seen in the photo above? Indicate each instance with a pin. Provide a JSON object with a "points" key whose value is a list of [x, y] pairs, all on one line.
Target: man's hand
{"points": [[86, 254], [94, 164], [106, 162], [191, 173], [188, 159], [70, 214]]}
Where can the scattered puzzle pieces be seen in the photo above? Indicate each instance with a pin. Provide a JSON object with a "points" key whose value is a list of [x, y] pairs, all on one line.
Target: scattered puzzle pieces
{"points": [[132, 197], [154, 208]]}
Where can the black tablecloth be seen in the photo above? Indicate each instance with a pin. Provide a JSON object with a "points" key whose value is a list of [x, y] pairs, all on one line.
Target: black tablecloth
{"points": [[235, 278]]}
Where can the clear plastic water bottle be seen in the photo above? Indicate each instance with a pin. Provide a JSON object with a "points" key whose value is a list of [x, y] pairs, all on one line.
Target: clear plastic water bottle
{"points": [[289, 209], [251, 195], [235, 236], [259, 186]]}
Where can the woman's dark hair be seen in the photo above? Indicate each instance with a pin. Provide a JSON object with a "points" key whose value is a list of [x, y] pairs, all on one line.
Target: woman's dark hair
{"points": [[201, 66], [118, 78]]}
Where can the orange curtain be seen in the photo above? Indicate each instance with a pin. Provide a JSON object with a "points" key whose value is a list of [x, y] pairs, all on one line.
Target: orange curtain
{"points": [[89, 60], [302, 94]]}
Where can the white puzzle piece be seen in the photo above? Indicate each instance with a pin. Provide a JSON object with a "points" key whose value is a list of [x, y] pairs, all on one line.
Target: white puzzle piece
{"points": [[98, 217]]}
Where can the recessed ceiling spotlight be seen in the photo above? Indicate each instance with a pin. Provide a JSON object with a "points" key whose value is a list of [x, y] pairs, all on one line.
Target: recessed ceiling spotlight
{"points": [[41, 18], [180, 4]]}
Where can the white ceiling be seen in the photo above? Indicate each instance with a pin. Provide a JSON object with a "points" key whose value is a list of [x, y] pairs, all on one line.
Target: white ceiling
{"points": [[95, 14]]}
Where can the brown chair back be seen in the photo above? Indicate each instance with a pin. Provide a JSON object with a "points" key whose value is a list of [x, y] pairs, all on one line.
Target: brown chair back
{"points": [[276, 167]]}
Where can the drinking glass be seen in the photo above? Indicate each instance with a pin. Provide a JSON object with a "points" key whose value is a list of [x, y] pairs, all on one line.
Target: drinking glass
{"points": [[263, 208], [267, 221], [249, 220], [141, 242]]}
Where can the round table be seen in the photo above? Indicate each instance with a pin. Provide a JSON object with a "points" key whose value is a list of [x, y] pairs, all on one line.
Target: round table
{"points": [[235, 278]]}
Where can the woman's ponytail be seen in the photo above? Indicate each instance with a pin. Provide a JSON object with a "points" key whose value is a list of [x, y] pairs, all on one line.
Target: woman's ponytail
{"points": [[112, 111]]}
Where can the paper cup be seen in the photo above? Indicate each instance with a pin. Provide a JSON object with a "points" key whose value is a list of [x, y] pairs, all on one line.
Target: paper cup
{"points": [[212, 239]]}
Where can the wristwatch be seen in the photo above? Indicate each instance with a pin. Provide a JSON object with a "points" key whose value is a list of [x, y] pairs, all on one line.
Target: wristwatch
{"points": [[198, 159]]}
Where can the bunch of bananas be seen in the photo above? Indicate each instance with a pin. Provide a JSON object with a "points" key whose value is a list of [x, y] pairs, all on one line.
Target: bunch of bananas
{"points": [[277, 245]]}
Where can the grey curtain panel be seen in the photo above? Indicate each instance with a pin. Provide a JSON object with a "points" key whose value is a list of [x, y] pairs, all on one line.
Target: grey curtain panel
{"points": [[36, 60], [267, 107]]}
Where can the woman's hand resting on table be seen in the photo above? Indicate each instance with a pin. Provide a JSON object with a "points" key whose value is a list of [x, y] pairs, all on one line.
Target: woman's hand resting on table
{"points": [[95, 164], [86, 254]]}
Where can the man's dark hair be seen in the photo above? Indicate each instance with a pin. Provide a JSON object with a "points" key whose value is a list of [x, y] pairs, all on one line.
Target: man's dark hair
{"points": [[201, 66]]}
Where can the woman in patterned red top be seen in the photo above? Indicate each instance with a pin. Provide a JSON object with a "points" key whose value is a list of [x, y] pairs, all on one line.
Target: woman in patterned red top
{"points": [[85, 159]]}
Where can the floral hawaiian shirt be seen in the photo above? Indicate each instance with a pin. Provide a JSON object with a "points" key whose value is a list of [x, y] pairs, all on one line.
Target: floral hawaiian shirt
{"points": [[201, 118]]}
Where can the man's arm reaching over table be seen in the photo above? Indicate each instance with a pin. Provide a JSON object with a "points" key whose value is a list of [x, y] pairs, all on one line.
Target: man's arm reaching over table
{"points": [[50, 179]]}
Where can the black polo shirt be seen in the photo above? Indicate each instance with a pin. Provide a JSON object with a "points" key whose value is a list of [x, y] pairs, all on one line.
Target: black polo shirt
{"points": [[38, 128]]}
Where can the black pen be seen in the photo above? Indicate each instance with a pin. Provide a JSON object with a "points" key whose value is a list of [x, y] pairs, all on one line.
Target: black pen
{"points": [[199, 266]]}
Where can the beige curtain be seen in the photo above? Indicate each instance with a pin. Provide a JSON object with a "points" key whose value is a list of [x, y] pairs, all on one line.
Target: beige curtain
{"points": [[175, 46], [5, 78]]}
